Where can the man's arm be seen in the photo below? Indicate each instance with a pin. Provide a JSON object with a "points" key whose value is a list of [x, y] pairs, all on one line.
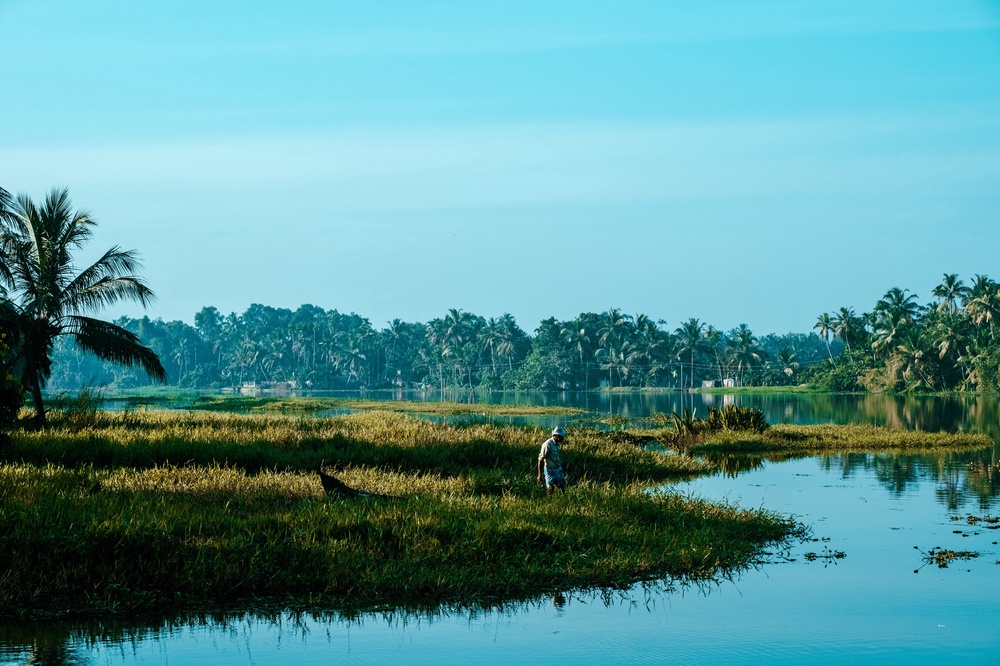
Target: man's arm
{"points": [[540, 463]]}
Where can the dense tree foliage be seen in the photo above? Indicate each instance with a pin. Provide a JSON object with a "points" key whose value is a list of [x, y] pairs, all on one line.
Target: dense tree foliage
{"points": [[901, 345], [312, 348]]}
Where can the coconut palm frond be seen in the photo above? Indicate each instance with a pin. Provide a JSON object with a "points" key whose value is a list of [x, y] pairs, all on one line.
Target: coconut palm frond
{"points": [[113, 343], [110, 279]]}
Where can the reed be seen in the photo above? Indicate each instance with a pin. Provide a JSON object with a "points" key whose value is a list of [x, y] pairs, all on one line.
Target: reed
{"points": [[157, 510]]}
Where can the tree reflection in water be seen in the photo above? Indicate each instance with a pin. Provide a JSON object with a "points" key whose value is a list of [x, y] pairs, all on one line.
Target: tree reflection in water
{"points": [[961, 477]]}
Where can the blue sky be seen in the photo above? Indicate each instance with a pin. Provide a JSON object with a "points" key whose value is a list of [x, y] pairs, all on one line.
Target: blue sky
{"points": [[736, 162]]}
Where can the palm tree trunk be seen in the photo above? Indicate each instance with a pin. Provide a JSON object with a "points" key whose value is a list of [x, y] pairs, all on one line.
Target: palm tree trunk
{"points": [[36, 395]]}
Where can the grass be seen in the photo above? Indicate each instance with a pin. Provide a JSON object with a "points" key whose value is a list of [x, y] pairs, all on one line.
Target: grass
{"points": [[827, 439], [114, 513]]}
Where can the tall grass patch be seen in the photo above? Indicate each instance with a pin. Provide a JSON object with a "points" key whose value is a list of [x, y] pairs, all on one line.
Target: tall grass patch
{"points": [[159, 510], [828, 438]]}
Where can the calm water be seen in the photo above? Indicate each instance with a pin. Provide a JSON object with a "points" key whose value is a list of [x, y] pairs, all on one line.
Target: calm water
{"points": [[878, 603]]}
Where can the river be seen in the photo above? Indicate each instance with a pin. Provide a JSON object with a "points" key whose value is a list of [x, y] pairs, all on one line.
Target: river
{"points": [[862, 590]]}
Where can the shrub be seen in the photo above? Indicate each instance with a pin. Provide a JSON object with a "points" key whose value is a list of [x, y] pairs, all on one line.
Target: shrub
{"points": [[734, 417]]}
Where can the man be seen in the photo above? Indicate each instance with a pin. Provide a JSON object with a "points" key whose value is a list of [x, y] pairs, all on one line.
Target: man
{"points": [[550, 462]]}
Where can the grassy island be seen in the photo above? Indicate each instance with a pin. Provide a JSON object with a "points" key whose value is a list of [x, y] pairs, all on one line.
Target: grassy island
{"points": [[130, 511], [835, 439]]}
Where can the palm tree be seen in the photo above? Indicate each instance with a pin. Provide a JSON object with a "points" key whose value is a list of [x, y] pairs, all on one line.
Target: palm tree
{"points": [[182, 356], [661, 353], [45, 297], [912, 354], [350, 358], [884, 334], [950, 291], [398, 338], [744, 349], [490, 336], [981, 284], [900, 307], [983, 304], [616, 327], [6, 204], [786, 359], [619, 359], [846, 326], [949, 336], [575, 336], [690, 341], [825, 325], [507, 346]]}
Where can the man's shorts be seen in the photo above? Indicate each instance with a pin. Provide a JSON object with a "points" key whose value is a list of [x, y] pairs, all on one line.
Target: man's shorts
{"points": [[555, 477]]}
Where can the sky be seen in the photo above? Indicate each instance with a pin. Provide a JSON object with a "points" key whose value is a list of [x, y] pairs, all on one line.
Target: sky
{"points": [[736, 162]]}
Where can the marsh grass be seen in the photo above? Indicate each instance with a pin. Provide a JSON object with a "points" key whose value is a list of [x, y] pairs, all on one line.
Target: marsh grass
{"points": [[385, 440], [134, 511], [827, 439]]}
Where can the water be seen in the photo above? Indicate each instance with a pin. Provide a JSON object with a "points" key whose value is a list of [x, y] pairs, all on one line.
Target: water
{"points": [[878, 603]]}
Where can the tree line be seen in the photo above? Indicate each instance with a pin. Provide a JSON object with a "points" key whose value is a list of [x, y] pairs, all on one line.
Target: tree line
{"points": [[310, 348]]}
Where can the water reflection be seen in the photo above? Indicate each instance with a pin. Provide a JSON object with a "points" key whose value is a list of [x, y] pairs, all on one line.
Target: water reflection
{"points": [[241, 636], [952, 413], [734, 465], [961, 479]]}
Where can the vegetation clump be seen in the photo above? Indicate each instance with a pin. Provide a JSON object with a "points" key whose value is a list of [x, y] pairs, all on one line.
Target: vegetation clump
{"points": [[161, 510], [942, 557], [689, 430], [829, 438]]}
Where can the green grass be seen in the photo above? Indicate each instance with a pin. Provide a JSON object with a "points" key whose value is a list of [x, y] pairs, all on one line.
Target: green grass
{"points": [[127, 512], [829, 439]]}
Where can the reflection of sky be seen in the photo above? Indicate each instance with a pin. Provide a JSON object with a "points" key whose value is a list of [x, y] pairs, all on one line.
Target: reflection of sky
{"points": [[869, 607]]}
